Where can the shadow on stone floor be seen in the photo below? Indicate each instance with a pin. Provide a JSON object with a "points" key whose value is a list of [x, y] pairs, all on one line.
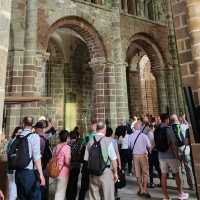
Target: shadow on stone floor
{"points": [[130, 191]]}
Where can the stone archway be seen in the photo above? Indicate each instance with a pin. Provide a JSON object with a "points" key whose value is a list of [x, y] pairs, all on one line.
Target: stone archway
{"points": [[87, 31], [146, 46], [80, 55]]}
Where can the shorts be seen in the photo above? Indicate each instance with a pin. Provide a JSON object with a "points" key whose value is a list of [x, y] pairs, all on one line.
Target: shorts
{"points": [[141, 166], [169, 164]]}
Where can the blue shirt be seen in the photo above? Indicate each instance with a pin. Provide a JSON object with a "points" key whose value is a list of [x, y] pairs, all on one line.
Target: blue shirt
{"points": [[34, 146], [141, 145]]}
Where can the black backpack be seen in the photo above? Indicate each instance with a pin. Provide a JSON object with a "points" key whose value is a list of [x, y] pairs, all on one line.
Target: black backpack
{"points": [[47, 154], [76, 156], [18, 153], [96, 163], [161, 139]]}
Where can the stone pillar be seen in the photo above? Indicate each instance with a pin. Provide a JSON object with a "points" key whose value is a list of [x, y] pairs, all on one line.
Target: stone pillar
{"points": [[5, 14], [41, 78], [98, 90], [161, 87], [126, 6], [120, 66], [171, 90], [193, 7], [110, 95], [104, 92], [174, 58], [140, 8], [134, 7], [30, 69]]}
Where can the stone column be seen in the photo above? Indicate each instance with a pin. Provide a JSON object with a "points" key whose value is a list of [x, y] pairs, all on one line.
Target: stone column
{"points": [[41, 78], [193, 7], [140, 8], [104, 92], [98, 100], [110, 94], [30, 69], [174, 57], [5, 14], [126, 6], [120, 66], [134, 7], [161, 87], [171, 90]]}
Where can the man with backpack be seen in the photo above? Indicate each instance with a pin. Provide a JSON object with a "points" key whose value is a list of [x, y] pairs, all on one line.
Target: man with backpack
{"points": [[101, 157], [46, 155], [165, 142], [181, 132], [84, 171], [24, 157]]}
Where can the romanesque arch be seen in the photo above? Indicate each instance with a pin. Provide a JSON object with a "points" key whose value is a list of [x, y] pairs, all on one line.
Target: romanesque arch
{"points": [[79, 58], [142, 44], [87, 31], [146, 43]]}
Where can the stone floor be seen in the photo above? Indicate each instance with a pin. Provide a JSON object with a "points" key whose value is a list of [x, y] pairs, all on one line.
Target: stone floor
{"points": [[129, 192]]}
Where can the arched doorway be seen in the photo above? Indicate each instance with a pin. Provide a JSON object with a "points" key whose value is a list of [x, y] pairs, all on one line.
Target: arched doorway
{"points": [[142, 87], [74, 48], [145, 77]]}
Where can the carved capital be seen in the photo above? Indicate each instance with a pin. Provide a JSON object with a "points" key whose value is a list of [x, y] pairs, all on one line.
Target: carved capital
{"points": [[158, 73], [98, 65]]}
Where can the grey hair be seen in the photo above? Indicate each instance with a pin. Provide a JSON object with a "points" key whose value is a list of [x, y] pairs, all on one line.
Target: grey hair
{"points": [[100, 125]]}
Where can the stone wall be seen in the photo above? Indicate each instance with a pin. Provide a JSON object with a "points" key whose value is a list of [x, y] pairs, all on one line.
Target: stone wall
{"points": [[5, 15], [184, 45], [107, 42]]}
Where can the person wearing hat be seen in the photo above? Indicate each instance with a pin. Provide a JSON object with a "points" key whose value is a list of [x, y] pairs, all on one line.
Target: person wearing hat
{"points": [[39, 129], [46, 155]]}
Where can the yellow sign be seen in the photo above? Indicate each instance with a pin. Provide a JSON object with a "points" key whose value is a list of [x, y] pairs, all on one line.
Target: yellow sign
{"points": [[70, 116]]}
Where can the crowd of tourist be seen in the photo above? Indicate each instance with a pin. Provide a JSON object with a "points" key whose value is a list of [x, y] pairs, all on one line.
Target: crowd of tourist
{"points": [[145, 147]]}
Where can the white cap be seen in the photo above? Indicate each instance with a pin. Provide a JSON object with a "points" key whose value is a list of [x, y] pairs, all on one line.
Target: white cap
{"points": [[42, 118]]}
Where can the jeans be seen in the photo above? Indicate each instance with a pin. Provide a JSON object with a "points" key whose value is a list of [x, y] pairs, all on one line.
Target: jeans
{"points": [[126, 157], [154, 162], [28, 187], [45, 189]]}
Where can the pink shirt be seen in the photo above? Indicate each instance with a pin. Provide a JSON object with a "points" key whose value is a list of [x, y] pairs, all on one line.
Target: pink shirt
{"points": [[64, 157]]}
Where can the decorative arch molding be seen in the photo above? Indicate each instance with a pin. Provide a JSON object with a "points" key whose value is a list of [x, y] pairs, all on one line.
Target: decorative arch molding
{"points": [[143, 41], [87, 32]]}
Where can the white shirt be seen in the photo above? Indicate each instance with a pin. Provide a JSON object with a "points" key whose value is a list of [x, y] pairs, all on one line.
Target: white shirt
{"points": [[123, 141], [184, 127], [151, 139]]}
